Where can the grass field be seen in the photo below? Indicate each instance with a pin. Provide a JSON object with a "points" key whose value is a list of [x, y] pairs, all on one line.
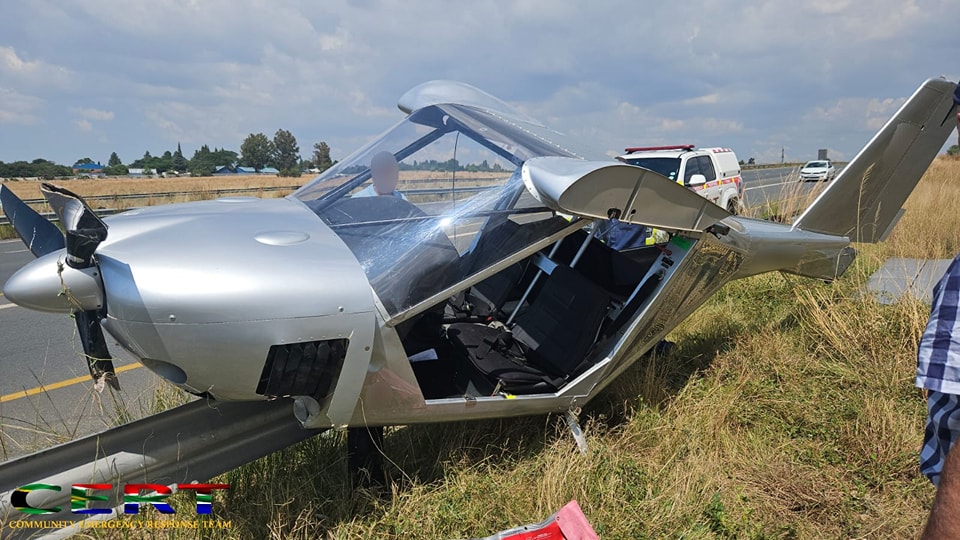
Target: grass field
{"points": [[205, 188], [188, 189], [787, 410], [29, 189]]}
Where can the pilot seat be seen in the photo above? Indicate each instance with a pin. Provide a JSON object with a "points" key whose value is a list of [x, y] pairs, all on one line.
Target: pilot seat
{"points": [[545, 348]]}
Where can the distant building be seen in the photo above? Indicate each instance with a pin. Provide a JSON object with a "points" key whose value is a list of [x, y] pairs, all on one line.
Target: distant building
{"points": [[269, 170], [246, 170], [221, 170], [139, 173], [89, 169]]}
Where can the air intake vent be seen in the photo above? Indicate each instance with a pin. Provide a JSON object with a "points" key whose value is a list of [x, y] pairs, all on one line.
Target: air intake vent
{"points": [[302, 369]]}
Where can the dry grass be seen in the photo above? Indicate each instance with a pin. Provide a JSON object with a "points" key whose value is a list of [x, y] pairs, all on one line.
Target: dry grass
{"points": [[154, 191], [787, 410], [931, 226], [28, 189], [793, 197], [158, 191]]}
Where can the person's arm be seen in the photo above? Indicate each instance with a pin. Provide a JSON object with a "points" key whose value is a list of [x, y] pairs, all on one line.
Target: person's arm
{"points": [[944, 520]]}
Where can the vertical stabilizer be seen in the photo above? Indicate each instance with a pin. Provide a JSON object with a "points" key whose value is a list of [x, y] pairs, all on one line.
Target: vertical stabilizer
{"points": [[865, 200]]}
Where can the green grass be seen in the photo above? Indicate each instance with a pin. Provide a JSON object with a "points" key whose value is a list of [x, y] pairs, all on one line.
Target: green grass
{"points": [[786, 410]]}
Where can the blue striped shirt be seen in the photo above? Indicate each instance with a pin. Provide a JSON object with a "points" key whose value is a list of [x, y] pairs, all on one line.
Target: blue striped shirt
{"points": [[938, 357]]}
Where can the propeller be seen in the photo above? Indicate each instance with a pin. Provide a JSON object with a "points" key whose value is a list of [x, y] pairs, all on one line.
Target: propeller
{"points": [[40, 236], [83, 229], [83, 233]]}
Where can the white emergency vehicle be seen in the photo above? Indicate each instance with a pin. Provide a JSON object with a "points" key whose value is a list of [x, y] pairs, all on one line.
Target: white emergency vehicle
{"points": [[714, 173]]}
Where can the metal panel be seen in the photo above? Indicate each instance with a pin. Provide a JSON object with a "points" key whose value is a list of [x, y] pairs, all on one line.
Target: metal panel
{"points": [[899, 277]]}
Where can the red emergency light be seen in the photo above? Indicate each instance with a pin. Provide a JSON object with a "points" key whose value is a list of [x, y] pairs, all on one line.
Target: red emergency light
{"points": [[654, 148]]}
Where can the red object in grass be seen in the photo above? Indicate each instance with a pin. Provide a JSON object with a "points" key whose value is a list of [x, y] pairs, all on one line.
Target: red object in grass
{"points": [[567, 524]]}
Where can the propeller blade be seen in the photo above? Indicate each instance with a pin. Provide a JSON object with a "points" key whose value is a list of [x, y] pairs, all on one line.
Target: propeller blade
{"points": [[84, 229], [95, 348], [39, 235]]}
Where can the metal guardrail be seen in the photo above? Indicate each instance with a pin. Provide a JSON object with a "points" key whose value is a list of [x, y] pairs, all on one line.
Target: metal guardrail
{"points": [[4, 220], [192, 442]]}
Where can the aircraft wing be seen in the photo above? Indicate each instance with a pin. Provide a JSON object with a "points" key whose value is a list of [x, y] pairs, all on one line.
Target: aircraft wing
{"points": [[591, 188]]}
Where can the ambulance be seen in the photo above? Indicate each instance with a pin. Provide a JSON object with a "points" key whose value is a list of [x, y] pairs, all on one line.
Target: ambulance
{"points": [[714, 173]]}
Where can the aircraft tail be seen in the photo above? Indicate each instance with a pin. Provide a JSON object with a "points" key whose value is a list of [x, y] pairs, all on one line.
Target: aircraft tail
{"points": [[865, 201]]}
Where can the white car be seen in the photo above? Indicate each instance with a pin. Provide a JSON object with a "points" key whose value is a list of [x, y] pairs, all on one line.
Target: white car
{"points": [[714, 173], [819, 171]]}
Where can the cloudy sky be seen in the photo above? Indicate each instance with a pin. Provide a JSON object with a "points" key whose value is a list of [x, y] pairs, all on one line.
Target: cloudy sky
{"points": [[90, 77]]}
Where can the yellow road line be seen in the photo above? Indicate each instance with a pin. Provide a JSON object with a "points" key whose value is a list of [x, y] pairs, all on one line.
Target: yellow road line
{"points": [[59, 384]]}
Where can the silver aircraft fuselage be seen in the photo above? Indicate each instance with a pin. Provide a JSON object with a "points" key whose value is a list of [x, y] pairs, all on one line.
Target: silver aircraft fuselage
{"points": [[309, 296]]}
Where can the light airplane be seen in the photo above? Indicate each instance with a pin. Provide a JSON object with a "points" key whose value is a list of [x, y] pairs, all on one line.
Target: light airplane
{"points": [[476, 287]]}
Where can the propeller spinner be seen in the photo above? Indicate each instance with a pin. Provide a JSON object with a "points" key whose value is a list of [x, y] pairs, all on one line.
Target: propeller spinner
{"points": [[49, 285]]}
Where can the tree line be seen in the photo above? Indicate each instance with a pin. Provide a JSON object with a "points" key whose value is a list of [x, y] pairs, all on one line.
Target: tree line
{"points": [[38, 168], [257, 151]]}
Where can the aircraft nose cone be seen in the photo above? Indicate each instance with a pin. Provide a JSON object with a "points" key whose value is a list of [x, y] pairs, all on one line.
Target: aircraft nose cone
{"points": [[48, 284]]}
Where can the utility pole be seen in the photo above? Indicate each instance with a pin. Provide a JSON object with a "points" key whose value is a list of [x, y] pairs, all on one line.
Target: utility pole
{"points": [[781, 156]]}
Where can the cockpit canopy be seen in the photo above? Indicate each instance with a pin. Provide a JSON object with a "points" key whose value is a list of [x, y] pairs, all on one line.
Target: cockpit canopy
{"points": [[451, 204]]}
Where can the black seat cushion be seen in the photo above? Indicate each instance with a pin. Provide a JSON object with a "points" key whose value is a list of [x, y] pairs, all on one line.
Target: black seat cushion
{"points": [[478, 344], [616, 272], [562, 323], [489, 296], [549, 342]]}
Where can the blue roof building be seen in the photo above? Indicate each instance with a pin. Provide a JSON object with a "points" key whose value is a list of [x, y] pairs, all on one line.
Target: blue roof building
{"points": [[88, 168]]}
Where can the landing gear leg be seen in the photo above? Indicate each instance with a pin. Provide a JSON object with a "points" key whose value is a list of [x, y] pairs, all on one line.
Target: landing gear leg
{"points": [[571, 417], [365, 456]]}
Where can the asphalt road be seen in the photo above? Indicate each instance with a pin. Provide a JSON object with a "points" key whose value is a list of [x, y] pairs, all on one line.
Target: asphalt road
{"points": [[46, 394], [777, 186]]}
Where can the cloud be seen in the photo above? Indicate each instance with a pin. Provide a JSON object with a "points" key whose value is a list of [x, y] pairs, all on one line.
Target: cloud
{"points": [[11, 62], [866, 112], [668, 124], [31, 72], [707, 99], [720, 126], [94, 114], [83, 125], [209, 72], [17, 108]]}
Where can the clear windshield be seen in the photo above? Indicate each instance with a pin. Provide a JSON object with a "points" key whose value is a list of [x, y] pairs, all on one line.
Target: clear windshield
{"points": [[666, 166], [816, 165], [434, 200]]}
